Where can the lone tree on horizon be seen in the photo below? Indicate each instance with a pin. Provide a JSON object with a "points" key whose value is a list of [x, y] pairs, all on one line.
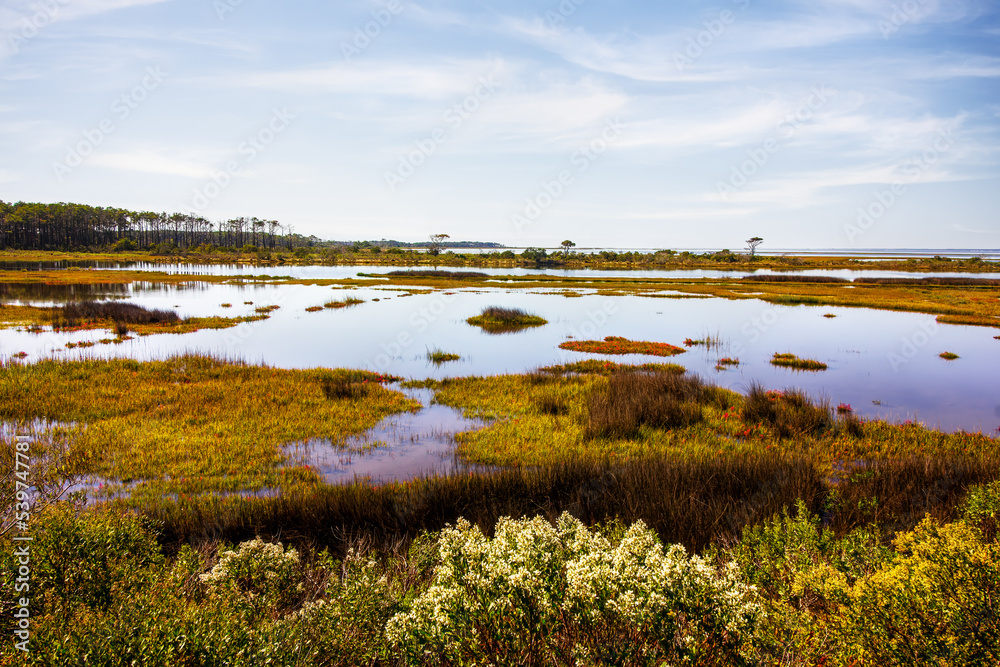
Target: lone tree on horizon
{"points": [[566, 245], [752, 244], [437, 242]]}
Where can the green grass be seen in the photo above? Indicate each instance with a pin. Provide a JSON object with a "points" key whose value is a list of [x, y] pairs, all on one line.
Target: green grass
{"points": [[343, 303], [194, 424], [789, 360], [607, 367], [439, 357], [495, 319]]}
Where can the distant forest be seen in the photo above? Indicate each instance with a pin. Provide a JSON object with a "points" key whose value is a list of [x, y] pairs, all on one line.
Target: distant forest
{"points": [[30, 226]]}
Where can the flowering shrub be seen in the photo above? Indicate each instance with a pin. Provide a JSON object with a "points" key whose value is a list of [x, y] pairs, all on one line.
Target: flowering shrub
{"points": [[346, 627], [935, 603], [261, 573], [538, 593]]}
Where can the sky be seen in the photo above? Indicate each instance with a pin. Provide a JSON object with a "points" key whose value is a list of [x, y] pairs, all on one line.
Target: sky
{"points": [[837, 124]]}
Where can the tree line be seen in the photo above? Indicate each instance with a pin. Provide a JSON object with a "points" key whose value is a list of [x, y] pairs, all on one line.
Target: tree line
{"points": [[32, 226]]}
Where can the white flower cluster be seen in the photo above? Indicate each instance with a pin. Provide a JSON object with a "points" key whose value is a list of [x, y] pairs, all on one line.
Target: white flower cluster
{"points": [[259, 570], [533, 579]]}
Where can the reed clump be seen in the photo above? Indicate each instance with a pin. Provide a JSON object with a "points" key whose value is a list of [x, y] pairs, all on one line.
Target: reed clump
{"points": [[437, 273], [631, 401], [116, 311], [789, 360], [497, 319], [788, 413]]}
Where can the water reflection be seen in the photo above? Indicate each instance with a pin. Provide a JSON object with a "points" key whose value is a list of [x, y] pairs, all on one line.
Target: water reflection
{"points": [[883, 363], [341, 271], [402, 447], [35, 292]]}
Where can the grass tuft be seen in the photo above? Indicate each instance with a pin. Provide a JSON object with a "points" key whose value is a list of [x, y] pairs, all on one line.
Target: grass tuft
{"points": [[950, 356], [495, 319], [439, 357], [658, 400], [619, 345], [128, 313], [343, 303], [788, 413], [789, 360]]}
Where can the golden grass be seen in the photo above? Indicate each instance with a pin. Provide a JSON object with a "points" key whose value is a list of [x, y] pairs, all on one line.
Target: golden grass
{"points": [[192, 423], [952, 304], [33, 318], [525, 430], [789, 360]]}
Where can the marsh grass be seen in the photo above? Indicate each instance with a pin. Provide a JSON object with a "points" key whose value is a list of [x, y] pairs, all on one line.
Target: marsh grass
{"points": [[596, 366], [708, 342], [113, 315], [781, 278], [932, 280], [620, 345], [897, 493], [438, 356], [195, 424], [343, 303], [437, 273], [116, 311], [688, 500], [788, 413], [496, 319], [789, 360], [631, 401]]}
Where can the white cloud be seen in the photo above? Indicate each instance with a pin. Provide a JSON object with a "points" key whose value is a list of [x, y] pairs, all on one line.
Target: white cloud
{"points": [[152, 162]]}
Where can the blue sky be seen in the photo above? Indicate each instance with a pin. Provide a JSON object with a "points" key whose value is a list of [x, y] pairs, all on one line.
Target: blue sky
{"points": [[847, 123]]}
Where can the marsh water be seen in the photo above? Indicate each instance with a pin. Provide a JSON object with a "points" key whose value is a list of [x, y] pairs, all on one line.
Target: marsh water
{"points": [[883, 364]]}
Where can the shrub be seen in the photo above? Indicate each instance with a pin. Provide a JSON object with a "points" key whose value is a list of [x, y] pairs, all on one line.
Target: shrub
{"points": [[543, 594], [124, 245], [934, 603], [261, 573], [982, 508], [89, 557], [793, 558]]}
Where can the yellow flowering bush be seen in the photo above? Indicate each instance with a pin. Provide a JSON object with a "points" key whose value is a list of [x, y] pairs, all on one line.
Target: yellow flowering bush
{"points": [[934, 604]]}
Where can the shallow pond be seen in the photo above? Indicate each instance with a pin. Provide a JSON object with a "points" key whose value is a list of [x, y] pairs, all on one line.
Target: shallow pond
{"points": [[341, 271], [884, 364]]}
